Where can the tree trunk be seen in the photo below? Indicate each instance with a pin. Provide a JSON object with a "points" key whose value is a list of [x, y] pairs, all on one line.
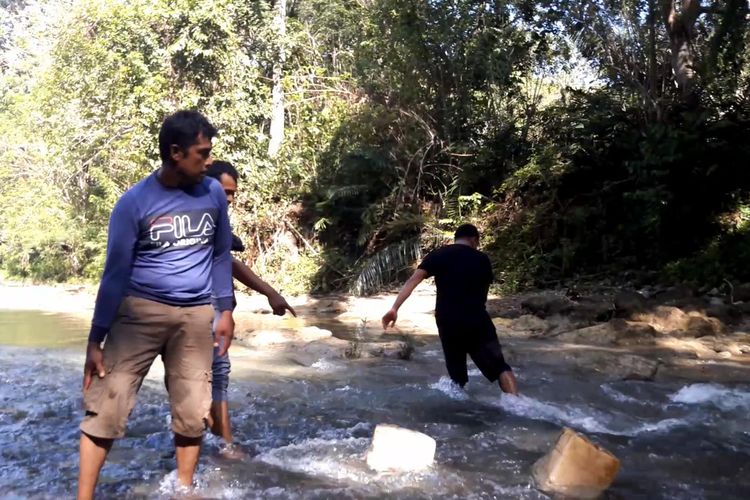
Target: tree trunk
{"points": [[653, 92], [680, 17], [277, 94]]}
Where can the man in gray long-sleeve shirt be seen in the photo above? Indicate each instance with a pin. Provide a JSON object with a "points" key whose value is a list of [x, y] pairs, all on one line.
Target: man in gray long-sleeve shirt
{"points": [[167, 255]]}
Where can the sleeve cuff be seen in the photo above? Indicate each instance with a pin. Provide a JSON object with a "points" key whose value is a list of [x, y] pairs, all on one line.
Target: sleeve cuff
{"points": [[225, 304], [97, 333]]}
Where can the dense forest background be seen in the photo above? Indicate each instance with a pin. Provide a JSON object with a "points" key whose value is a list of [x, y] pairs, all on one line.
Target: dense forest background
{"points": [[584, 138]]}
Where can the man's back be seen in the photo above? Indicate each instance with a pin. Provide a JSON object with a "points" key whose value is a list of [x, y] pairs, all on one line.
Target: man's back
{"points": [[462, 276]]}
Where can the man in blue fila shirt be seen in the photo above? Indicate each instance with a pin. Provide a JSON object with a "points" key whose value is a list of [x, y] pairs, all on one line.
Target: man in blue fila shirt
{"points": [[167, 256]]}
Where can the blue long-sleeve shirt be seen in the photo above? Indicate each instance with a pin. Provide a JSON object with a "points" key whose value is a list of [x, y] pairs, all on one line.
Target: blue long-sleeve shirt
{"points": [[170, 245]]}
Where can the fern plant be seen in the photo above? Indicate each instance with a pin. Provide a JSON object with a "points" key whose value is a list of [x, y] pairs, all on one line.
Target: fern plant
{"points": [[383, 267]]}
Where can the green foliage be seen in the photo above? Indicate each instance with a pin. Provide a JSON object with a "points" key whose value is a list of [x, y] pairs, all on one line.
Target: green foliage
{"points": [[555, 126], [292, 276], [37, 241], [83, 117], [722, 259], [606, 189], [381, 269]]}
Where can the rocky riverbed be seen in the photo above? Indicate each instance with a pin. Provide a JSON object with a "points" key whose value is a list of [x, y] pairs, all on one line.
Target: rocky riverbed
{"points": [[656, 376], [645, 334]]}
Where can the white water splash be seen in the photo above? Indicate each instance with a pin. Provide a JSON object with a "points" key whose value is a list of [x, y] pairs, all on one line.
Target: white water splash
{"points": [[207, 483], [721, 397], [586, 419], [432, 353], [170, 486], [660, 426], [450, 389], [348, 389], [323, 365], [340, 459], [344, 461], [619, 396]]}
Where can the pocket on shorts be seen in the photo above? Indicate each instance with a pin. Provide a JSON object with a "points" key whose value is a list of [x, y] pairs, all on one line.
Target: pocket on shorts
{"points": [[97, 391], [92, 398]]}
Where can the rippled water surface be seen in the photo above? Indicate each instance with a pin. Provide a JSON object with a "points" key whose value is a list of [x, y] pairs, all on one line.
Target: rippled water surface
{"points": [[306, 429]]}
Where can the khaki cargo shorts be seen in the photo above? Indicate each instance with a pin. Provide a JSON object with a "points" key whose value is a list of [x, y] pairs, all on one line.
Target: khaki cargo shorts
{"points": [[142, 330]]}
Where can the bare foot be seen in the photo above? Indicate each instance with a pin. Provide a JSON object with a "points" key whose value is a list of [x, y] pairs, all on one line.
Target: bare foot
{"points": [[508, 383], [231, 451]]}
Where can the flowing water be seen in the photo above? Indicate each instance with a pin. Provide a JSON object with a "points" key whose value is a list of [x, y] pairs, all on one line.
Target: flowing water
{"points": [[307, 429]]}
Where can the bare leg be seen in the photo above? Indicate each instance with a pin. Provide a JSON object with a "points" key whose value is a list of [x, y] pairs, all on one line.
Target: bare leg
{"points": [[187, 450], [508, 383], [221, 426], [93, 452], [210, 421]]}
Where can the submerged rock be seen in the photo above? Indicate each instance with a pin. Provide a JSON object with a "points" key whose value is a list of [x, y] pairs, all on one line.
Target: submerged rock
{"points": [[394, 349], [266, 337], [612, 363], [608, 362], [310, 345], [312, 352], [617, 365]]}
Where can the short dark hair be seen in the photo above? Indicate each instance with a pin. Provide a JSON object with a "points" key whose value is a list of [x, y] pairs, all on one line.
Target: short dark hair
{"points": [[183, 128], [219, 167], [466, 231]]}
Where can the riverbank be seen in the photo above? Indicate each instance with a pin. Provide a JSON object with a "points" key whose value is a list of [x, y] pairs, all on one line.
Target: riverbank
{"points": [[669, 333]]}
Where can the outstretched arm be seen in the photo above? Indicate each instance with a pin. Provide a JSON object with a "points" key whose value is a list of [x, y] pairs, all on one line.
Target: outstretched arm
{"points": [[242, 273], [389, 319]]}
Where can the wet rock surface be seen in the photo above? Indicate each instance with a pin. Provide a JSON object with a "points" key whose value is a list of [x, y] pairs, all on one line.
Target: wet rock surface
{"points": [[670, 332], [694, 334], [621, 334]]}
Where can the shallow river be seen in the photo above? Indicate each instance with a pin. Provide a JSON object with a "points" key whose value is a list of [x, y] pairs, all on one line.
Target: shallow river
{"points": [[307, 429]]}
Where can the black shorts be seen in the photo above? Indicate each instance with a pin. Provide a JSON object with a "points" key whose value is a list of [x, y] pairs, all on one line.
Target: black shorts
{"points": [[478, 339]]}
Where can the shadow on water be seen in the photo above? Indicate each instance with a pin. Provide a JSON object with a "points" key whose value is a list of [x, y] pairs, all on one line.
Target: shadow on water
{"points": [[307, 429]]}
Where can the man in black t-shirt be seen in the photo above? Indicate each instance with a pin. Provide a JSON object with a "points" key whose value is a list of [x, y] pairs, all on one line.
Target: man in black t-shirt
{"points": [[463, 276]]}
